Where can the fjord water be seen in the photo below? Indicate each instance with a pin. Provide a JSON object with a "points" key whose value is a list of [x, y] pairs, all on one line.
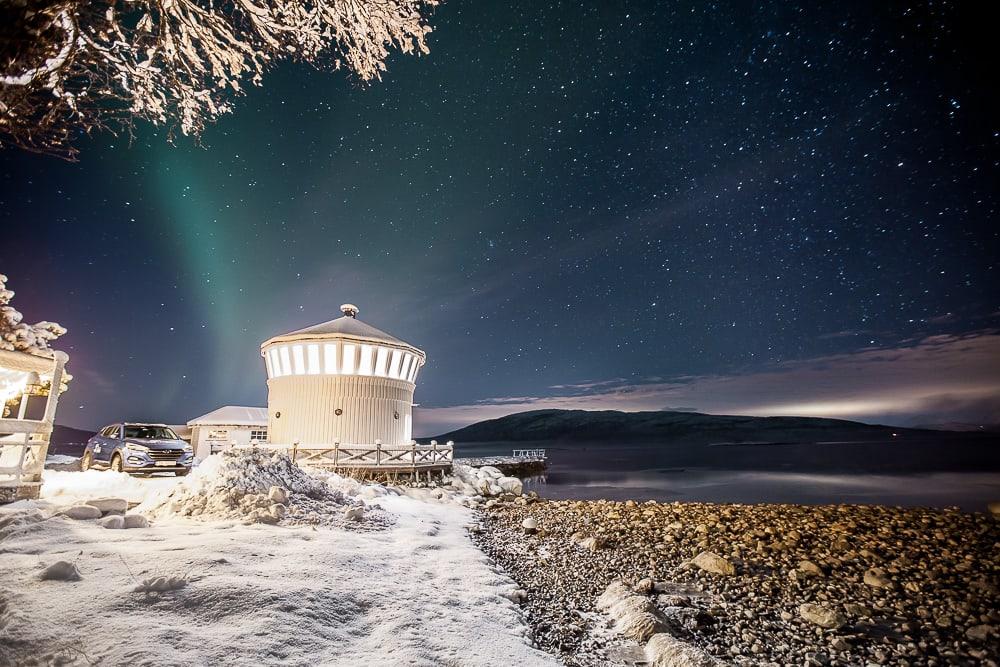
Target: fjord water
{"points": [[937, 472]]}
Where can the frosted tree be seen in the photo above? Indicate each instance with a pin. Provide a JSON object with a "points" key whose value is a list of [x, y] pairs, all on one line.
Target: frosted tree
{"points": [[69, 67], [17, 336]]}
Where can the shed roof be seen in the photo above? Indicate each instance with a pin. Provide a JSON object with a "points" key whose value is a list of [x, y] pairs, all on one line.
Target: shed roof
{"points": [[232, 415]]}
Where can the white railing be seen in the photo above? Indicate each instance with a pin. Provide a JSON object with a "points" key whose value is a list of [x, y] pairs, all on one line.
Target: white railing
{"points": [[408, 457], [529, 453], [24, 443]]}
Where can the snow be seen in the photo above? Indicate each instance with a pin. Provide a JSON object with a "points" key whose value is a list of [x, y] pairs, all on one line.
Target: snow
{"points": [[67, 487], [60, 459], [413, 592]]}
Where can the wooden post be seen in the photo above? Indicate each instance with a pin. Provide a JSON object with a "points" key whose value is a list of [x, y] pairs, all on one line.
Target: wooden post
{"points": [[336, 454], [378, 454], [295, 450]]}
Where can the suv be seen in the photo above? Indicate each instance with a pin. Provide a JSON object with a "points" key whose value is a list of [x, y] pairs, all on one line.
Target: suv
{"points": [[138, 448]]}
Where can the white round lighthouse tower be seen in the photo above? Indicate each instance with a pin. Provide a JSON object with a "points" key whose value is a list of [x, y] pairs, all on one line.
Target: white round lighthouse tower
{"points": [[341, 381]]}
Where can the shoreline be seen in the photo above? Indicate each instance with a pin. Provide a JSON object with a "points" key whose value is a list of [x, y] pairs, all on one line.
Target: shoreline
{"points": [[905, 586]]}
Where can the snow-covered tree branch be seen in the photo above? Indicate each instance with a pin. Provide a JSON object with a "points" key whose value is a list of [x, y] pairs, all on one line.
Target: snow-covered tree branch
{"points": [[73, 66], [18, 336]]}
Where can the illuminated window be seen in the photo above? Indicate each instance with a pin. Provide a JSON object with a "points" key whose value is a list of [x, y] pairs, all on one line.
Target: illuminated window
{"points": [[404, 370], [413, 371], [286, 364], [299, 359], [381, 361], [312, 357], [367, 358], [347, 367], [330, 358], [267, 363], [408, 428], [397, 356], [272, 354]]}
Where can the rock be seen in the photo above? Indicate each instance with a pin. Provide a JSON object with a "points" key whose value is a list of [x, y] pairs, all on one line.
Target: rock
{"points": [[591, 544], [840, 644], [809, 569], [491, 471], [135, 521], [354, 513], [114, 521], [616, 591], [640, 626], [994, 508], [60, 571], [511, 485], [530, 525], [822, 616], [979, 632], [665, 650], [106, 505], [277, 510], [82, 512], [859, 610], [644, 586], [278, 494], [161, 585], [713, 563], [876, 578]]}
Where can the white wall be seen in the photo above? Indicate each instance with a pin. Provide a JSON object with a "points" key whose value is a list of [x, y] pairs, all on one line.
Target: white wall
{"points": [[204, 443]]}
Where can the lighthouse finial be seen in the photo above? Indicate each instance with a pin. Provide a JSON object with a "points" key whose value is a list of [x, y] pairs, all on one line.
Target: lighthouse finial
{"points": [[349, 309]]}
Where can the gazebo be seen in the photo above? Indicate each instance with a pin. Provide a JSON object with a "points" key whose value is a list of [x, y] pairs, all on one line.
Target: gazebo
{"points": [[340, 395], [24, 442]]}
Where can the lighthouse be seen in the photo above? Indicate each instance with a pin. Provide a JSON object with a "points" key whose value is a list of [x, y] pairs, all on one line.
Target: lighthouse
{"points": [[341, 382]]}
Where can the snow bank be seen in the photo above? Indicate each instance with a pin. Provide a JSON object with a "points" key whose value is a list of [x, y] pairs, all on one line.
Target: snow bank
{"points": [[257, 486], [63, 487]]}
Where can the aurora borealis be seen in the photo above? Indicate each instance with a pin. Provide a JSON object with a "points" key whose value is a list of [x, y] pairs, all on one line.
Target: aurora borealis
{"points": [[627, 204]]}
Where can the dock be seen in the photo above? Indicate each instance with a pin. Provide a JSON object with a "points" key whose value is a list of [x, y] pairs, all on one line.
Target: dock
{"points": [[521, 463]]}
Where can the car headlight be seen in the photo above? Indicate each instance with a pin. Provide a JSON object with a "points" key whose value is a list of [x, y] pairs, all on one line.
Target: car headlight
{"points": [[188, 448], [137, 448]]}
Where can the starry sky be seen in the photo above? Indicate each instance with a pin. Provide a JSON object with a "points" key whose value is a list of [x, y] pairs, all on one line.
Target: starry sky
{"points": [[729, 207]]}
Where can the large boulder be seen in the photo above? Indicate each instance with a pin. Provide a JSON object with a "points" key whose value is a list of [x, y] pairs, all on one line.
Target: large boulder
{"points": [[106, 505], [82, 512], [713, 563], [113, 521], [135, 521], [822, 616], [511, 485], [665, 650]]}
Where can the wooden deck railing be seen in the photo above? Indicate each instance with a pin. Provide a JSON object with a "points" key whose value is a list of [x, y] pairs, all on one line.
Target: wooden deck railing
{"points": [[529, 453], [412, 457]]}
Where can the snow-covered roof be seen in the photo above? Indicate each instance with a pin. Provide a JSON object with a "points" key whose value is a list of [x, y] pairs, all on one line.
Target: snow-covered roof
{"points": [[347, 326], [232, 415]]}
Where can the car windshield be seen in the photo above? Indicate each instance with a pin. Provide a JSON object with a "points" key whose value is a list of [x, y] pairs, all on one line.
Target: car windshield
{"points": [[150, 433]]}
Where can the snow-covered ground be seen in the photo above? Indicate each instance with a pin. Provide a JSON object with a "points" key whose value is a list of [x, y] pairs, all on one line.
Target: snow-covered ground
{"points": [[417, 592]]}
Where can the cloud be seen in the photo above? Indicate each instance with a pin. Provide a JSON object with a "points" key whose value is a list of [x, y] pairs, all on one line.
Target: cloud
{"points": [[934, 379]]}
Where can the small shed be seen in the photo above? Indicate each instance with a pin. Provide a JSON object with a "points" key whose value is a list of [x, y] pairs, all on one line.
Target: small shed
{"points": [[228, 426]]}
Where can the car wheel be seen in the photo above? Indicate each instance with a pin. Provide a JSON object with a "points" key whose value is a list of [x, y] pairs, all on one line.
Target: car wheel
{"points": [[181, 473], [116, 463], [87, 461]]}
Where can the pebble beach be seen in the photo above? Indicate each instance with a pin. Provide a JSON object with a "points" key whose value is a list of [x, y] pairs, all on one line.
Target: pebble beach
{"points": [[755, 584]]}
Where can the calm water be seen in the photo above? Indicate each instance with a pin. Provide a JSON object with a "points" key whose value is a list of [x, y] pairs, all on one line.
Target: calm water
{"points": [[938, 473]]}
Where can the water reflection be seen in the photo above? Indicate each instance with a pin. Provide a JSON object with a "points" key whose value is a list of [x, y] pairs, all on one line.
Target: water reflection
{"points": [[971, 491]]}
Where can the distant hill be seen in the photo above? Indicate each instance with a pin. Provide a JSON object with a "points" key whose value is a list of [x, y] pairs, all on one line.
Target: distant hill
{"points": [[675, 427], [68, 440]]}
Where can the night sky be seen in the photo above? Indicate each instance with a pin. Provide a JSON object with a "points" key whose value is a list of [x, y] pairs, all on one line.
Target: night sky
{"points": [[747, 208]]}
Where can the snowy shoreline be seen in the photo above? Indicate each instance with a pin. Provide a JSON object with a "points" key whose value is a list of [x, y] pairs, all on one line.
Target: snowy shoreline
{"points": [[414, 590]]}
